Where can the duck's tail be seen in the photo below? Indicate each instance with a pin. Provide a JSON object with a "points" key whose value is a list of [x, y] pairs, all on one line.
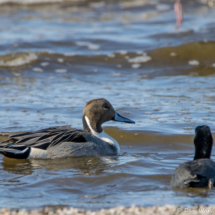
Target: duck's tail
{"points": [[21, 152]]}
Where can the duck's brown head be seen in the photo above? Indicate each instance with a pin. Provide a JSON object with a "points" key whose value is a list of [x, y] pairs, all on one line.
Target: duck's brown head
{"points": [[98, 111]]}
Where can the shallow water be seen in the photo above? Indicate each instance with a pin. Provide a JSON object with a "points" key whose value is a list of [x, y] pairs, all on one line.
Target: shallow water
{"points": [[56, 57]]}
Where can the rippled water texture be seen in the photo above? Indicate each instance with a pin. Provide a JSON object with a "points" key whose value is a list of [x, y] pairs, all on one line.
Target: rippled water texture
{"points": [[56, 57]]}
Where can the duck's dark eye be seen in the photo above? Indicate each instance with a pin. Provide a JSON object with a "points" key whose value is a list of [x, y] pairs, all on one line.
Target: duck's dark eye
{"points": [[105, 107]]}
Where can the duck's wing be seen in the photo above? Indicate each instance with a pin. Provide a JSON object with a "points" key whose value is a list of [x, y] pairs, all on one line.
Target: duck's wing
{"points": [[40, 139], [18, 145]]}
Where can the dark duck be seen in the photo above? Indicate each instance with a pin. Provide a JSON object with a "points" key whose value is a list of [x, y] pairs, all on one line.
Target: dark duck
{"points": [[201, 171]]}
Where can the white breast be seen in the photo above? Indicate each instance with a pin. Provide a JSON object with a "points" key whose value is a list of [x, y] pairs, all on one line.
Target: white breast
{"points": [[103, 136]]}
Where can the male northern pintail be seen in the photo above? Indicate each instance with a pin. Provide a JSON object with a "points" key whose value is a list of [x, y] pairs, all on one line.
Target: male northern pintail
{"points": [[201, 171], [64, 141]]}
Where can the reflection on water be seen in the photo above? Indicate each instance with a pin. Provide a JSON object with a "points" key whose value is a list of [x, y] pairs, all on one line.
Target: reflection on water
{"points": [[17, 166], [93, 165], [56, 57]]}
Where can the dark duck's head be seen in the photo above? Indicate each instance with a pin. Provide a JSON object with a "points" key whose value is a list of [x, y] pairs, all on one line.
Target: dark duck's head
{"points": [[203, 142]]}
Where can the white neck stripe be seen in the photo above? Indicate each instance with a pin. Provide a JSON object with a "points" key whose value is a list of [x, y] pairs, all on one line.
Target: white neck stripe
{"points": [[88, 124], [105, 137]]}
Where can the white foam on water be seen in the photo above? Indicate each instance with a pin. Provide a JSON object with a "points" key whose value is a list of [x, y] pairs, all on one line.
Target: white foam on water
{"points": [[117, 74], [136, 65], [44, 64], [60, 70], [17, 59], [111, 55], [141, 52], [173, 54], [60, 60], [140, 59], [16, 74], [89, 45], [194, 62], [123, 52], [37, 69]]}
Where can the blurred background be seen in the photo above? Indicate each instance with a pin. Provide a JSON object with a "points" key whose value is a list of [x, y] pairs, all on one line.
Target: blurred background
{"points": [[56, 55]]}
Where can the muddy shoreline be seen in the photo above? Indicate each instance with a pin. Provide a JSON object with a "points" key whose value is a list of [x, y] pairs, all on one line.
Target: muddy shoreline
{"points": [[134, 210]]}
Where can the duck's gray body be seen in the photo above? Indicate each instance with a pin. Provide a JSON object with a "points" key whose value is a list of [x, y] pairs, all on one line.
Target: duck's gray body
{"points": [[64, 141], [196, 173], [56, 142]]}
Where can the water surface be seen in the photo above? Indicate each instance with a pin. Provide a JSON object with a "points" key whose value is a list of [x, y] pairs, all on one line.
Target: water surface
{"points": [[56, 57]]}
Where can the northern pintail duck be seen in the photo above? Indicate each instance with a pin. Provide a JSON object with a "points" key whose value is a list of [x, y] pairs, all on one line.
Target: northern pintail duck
{"points": [[64, 141], [201, 171]]}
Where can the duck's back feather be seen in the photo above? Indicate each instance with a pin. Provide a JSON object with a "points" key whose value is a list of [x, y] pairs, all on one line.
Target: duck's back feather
{"points": [[43, 138], [196, 173]]}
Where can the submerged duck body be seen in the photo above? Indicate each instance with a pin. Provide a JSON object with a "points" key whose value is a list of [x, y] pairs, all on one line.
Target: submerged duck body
{"points": [[201, 171], [64, 141]]}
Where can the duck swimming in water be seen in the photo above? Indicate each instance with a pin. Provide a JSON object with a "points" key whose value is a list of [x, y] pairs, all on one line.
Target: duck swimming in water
{"points": [[64, 141], [201, 171]]}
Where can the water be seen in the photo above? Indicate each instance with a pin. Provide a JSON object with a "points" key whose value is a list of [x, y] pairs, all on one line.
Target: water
{"points": [[56, 57]]}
